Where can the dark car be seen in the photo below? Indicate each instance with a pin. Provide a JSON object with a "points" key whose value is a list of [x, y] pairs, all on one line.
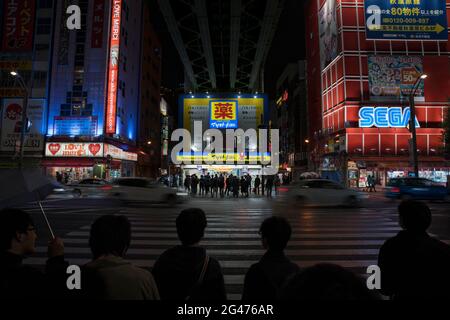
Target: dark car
{"points": [[415, 188]]}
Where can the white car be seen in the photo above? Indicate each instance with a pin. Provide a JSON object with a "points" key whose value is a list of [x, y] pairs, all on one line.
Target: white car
{"points": [[144, 190], [323, 193], [91, 188]]}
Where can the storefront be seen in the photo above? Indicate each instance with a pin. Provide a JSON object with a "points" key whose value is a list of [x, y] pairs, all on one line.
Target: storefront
{"points": [[359, 171], [77, 161]]}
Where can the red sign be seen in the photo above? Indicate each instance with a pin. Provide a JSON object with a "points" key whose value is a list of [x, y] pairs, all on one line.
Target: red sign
{"points": [[18, 25], [74, 150], [114, 50], [97, 24], [223, 111]]}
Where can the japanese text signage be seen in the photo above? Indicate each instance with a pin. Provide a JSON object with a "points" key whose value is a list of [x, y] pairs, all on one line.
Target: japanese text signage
{"points": [[406, 19], [394, 76], [97, 24], [384, 117], [113, 79], [224, 114], [18, 25]]}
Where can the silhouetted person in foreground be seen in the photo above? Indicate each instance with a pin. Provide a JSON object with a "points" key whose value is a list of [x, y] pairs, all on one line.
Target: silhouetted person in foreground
{"points": [[265, 279], [327, 282], [413, 264], [18, 241], [109, 276], [186, 272]]}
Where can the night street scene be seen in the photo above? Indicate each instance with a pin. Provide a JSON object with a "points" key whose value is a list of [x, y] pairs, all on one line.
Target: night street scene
{"points": [[228, 153]]}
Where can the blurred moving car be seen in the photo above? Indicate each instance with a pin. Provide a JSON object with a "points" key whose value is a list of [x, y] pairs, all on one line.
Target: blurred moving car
{"points": [[90, 188], [145, 190], [415, 188], [323, 193]]}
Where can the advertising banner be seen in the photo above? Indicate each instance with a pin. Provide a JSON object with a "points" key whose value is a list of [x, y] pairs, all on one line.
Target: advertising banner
{"points": [[223, 157], [74, 150], [113, 73], [406, 19], [12, 125], [18, 25], [244, 113], [117, 153], [98, 19], [394, 76], [328, 35]]}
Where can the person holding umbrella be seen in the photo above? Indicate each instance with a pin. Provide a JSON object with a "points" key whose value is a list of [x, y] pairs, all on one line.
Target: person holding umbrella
{"points": [[17, 242]]}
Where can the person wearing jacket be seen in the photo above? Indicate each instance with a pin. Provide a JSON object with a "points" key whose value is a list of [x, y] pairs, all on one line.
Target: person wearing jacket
{"points": [[109, 276], [266, 279], [18, 241], [178, 271]]}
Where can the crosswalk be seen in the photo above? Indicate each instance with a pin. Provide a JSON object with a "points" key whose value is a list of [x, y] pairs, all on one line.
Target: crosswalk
{"points": [[348, 237]]}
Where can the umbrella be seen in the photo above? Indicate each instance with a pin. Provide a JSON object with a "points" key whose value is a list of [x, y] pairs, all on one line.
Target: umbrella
{"points": [[18, 187]]}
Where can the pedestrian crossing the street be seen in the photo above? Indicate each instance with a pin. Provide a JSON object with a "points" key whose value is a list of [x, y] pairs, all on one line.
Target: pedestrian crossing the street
{"points": [[348, 237]]}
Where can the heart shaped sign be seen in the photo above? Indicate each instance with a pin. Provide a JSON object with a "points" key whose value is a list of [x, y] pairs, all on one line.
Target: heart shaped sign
{"points": [[54, 148], [94, 149]]}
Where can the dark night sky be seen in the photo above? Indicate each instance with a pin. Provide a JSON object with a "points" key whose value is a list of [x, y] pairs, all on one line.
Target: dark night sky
{"points": [[288, 46]]}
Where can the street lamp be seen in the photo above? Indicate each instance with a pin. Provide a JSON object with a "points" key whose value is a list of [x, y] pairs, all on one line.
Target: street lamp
{"points": [[17, 76], [412, 123]]}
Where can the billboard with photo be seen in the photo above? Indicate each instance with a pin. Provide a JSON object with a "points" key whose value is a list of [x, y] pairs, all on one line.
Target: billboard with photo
{"points": [[12, 125], [328, 33], [394, 76], [406, 19]]}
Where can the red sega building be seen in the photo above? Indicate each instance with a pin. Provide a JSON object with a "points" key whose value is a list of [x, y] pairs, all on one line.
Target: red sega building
{"points": [[338, 78]]}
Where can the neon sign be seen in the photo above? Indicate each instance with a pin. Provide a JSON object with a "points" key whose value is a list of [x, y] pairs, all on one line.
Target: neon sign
{"points": [[114, 50], [384, 117]]}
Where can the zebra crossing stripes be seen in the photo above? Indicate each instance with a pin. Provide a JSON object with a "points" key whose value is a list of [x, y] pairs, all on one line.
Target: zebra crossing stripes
{"points": [[351, 241]]}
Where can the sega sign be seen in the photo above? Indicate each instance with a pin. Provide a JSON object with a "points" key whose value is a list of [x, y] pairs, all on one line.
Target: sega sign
{"points": [[384, 117]]}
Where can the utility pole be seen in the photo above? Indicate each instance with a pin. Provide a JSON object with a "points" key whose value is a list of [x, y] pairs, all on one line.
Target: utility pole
{"points": [[17, 76], [412, 124]]}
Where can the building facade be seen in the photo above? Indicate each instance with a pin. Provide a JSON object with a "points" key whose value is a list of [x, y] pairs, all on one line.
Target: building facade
{"points": [[292, 119], [96, 95], [367, 64], [25, 47], [150, 119]]}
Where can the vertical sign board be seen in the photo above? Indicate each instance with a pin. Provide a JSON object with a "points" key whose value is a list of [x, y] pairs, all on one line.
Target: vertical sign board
{"points": [[18, 25], [113, 67], [97, 24], [328, 33], [406, 19]]}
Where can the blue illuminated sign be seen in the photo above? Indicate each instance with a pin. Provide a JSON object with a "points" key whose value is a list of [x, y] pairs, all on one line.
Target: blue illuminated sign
{"points": [[384, 117], [406, 19]]}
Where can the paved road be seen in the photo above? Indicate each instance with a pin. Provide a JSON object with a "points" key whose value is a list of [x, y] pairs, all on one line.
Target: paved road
{"points": [[349, 237]]}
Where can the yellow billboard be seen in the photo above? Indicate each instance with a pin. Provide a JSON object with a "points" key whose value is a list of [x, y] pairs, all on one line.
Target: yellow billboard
{"points": [[225, 112]]}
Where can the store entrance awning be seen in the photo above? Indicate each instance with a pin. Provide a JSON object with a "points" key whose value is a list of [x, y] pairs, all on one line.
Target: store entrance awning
{"points": [[69, 163]]}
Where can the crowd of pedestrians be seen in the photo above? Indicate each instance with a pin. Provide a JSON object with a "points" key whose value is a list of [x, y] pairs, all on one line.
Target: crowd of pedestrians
{"points": [[413, 264], [216, 186]]}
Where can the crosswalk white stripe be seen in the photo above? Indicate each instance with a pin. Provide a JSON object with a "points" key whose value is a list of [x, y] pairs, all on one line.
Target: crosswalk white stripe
{"points": [[228, 264], [241, 235], [254, 230], [228, 252], [241, 242]]}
